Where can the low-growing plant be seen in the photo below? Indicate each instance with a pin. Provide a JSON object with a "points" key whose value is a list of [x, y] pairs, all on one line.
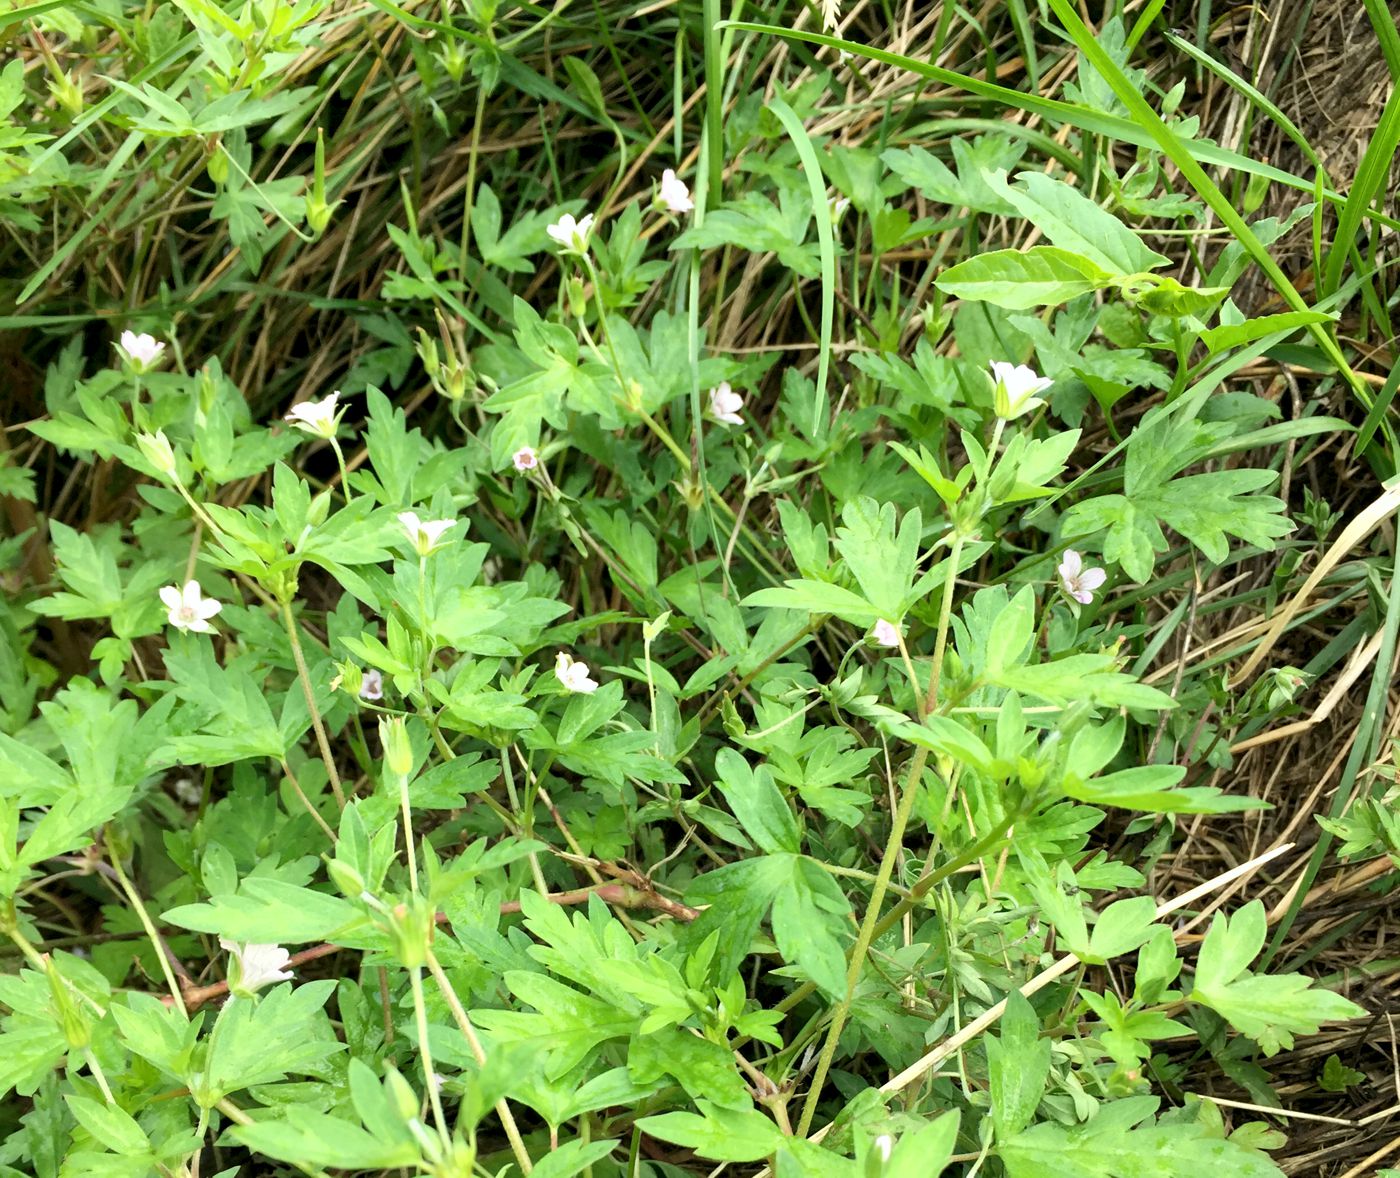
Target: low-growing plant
{"points": [[567, 742]]}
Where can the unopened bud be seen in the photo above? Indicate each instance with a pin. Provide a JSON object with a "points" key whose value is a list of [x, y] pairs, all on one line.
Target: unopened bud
{"points": [[398, 753], [157, 450]]}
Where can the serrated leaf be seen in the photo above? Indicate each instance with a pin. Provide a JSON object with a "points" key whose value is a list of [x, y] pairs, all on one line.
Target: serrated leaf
{"points": [[1269, 1009]]}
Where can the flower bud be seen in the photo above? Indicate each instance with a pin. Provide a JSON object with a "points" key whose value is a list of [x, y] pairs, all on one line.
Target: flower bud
{"points": [[67, 93], [156, 449], [398, 753], [578, 300]]}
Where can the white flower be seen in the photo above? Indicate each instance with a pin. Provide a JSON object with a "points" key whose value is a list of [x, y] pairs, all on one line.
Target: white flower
{"points": [[837, 206], [674, 194], [425, 533], [725, 404], [885, 633], [255, 966], [187, 791], [141, 351], [884, 1146], [316, 417], [189, 608], [372, 685], [573, 675], [1078, 581], [571, 234], [1017, 386], [525, 459]]}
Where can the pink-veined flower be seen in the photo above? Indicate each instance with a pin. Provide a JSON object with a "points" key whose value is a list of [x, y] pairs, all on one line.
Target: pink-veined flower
{"points": [[885, 634], [1079, 582], [525, 459], [188, 608], [372, 685], [725, 404]]}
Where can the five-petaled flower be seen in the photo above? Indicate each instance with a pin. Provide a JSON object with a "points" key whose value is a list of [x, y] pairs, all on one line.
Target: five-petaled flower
{"points": [[372, 685], [1017, 386], [1078, 581], [141, 351], [571, 234], [573, 674], [425, 533], [725, 404], [674, 194], [885, 633], [525, 459], [316, 417], [254, 966], [189, 608]]}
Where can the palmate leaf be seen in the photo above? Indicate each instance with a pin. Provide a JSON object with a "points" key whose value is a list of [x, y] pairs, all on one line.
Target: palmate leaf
{"points": [[1109, 1146], [1270, 1010], [1207, 509]]}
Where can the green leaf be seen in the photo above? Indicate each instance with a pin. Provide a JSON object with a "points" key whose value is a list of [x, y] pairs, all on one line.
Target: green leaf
{"points": [[1337, 1077], [1270, 1010], [1108, 1148], [757, 803], [1073, 222], [267, 911], [717, 1134], [568, 1159], [112, 1127], [1018, 1064], [883, 560], [307, 1137], [1021, 279], [809, 914], [818, 597], [1226, 336]]}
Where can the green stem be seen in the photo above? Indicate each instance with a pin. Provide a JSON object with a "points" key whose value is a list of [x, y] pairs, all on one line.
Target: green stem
{"points": [[420, 1015], [893, 847], [146, 923], [464, 1024], [305, 676]]}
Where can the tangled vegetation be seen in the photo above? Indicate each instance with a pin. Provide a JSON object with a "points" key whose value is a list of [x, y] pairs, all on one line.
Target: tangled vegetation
{"points": [[656, 588]]}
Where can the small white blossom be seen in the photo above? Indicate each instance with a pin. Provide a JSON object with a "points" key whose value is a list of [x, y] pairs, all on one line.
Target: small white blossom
{"points": [[674, 194], [885, 633], [837, 206], [1078, 581], [141, 351], [188, 608], [725, 404], [884, 1146], [255, 966], [525, 459], [187, 791], [425, 533], [573, 675], [316, 417], [1017, 386], [372, 685], [571, 234]]}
